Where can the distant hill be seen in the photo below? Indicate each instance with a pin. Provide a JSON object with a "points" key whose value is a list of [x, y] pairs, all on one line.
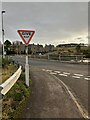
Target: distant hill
{"points": [[68, 45]]}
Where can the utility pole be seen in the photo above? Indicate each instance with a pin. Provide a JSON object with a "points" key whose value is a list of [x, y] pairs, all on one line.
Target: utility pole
{"points": [[3, 33]]}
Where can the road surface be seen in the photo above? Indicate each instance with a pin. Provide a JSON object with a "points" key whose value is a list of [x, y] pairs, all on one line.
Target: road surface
{"points": [[74, 77]]}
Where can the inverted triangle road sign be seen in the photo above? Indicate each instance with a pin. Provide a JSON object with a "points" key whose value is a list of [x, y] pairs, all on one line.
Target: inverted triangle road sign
{"points": [[26, 35]]}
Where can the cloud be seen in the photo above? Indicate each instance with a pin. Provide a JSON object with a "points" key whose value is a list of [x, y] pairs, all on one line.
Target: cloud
{"points": [[79, 38], [52, 21], [46, 1]]}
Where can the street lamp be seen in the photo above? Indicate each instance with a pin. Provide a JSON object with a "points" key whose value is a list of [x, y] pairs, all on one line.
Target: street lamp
{"points": [[3, 32]]}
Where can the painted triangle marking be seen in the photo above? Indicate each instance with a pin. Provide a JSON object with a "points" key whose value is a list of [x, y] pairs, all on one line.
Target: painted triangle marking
{"points": [[26, 35]]}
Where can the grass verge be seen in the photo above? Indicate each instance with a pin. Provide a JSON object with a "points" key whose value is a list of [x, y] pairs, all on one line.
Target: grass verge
{"points": [[15, 100]]}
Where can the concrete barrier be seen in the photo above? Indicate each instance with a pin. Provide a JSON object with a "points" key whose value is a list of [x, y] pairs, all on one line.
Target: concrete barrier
{"points": [[7, 85]]}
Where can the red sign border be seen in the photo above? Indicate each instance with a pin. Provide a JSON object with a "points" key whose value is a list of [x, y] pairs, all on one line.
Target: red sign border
{"points": [[26, 43]]}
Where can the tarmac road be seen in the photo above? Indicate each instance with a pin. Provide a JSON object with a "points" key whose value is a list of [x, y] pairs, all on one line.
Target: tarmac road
{"points": [[49, 97]]}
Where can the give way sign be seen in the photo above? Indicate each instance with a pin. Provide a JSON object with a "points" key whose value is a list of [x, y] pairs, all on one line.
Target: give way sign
{"points": [[26, 35]]}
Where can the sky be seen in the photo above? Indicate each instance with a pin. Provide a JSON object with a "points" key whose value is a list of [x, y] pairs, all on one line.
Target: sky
{"points": [[54, 22]]}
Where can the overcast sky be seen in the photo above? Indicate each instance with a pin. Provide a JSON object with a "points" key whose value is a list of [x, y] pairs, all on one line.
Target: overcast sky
{"points": [[53, 22]]}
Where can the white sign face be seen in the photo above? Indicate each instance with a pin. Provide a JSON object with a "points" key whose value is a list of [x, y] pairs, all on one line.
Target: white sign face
{"points": [[26, 35]]}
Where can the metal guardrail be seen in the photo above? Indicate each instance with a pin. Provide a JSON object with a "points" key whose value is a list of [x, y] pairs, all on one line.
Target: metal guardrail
{"points": [[7, 85], [63, 58]]}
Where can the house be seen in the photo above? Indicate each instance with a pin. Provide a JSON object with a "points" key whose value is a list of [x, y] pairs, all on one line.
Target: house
{"points": [[34, 49], [49, 48], [19, 48]]}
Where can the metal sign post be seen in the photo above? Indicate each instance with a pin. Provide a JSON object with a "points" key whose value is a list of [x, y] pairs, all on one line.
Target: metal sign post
{"points": [[26, 36], [27, 68]]}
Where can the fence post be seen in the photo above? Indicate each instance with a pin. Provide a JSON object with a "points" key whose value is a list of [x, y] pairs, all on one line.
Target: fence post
{"points": [[82, 58], [48, 56], [76, 58], [60, 57]]}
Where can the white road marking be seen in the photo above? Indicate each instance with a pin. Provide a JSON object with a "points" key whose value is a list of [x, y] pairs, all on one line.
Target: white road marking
{"points": [[66, 73], [53, 73], [63, 75], [57, 71], [87, 78], [84, 112], [43, 69], [75, 76], [48, 70], [78, 74]]}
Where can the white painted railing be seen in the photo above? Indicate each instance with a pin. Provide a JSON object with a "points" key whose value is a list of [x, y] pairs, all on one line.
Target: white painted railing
{"points": [[6, 86]]}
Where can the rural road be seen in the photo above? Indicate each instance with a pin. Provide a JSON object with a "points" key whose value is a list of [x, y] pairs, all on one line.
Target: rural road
{"points": [[60, 90]]}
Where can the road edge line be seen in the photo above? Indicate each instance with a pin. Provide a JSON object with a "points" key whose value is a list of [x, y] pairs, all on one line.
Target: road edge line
{"points": [[84, 112]]}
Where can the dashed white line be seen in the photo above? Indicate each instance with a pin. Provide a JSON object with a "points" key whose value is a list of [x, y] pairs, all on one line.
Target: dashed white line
{"points": [[87, 78], [57, 71], [48, 70], [53, 73], [63, 75], [66, 73], [78, 75], [75, 76], [43, 69]]}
